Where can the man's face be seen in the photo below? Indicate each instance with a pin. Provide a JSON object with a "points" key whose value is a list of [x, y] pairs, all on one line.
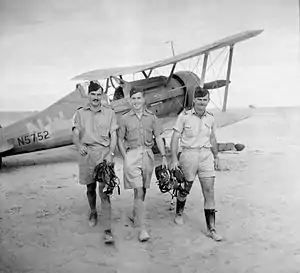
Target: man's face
{"points": [[137, 101], [95, 97], [200, 103]]}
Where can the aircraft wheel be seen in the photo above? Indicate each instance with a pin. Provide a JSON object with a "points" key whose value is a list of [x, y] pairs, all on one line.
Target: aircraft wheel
{"points": [[0, 162]]}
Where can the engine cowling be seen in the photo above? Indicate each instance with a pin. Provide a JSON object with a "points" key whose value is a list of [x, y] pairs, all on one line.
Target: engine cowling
{"points": [[189, 81]]}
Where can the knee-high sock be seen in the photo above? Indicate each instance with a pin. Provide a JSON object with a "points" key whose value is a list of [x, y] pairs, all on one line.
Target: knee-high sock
{"points": [[92, 196]]}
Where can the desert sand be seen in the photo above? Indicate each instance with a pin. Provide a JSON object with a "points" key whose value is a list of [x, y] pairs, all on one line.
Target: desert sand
{"points": [[43, 212]]}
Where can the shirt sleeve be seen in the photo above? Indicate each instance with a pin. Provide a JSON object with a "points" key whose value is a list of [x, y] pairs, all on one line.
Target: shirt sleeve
{"points": [[114, 124], [179, 124], [122, 128], [157, 127], [76, 123]]}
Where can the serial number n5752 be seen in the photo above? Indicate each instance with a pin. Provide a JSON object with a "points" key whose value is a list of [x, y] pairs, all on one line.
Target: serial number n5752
{"points": [[33, 138]]}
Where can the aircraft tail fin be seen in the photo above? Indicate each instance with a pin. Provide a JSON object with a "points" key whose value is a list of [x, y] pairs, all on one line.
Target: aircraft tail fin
{"points": [[5, 145]]}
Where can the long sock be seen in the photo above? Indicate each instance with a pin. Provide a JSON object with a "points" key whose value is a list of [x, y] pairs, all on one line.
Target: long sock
{"points": [[92, 200], [140, 213], [210, 219], [180, 206]]}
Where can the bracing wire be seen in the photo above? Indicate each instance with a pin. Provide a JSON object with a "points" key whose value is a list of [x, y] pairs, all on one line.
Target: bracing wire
{"points": [[214, 74], [216, 59], [223, 63]]}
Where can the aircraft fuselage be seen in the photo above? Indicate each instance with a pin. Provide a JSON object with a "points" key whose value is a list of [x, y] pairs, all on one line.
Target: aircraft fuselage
{"points": [[51, 128]]}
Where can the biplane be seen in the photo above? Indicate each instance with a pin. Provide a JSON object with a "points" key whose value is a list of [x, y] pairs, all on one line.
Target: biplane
{"points": [[166, 96]]}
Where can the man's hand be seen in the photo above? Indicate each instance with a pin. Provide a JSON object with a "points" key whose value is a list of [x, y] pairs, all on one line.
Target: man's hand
{"points": [[217, 163], [109, 157], [174, 163], [164, 162], [83, 150]]}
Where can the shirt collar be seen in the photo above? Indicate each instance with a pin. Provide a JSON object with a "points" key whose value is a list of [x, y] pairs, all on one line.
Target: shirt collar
{"points": [[145, 112], [88, 107], [194, 113]]}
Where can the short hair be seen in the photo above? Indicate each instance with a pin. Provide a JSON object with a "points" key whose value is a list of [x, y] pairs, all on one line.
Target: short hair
{"points": [[94, 86], [135, 90], [200, 92]]}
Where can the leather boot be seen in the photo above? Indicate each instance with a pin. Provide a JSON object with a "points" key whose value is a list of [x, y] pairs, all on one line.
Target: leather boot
{"points": [[179, 211], [210, 223]]}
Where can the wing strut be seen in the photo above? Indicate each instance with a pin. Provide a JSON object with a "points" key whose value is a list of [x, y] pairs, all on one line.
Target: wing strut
{"points": [[203, 70], [228, 78], [106, 86], [147, 75], [172, 71]]}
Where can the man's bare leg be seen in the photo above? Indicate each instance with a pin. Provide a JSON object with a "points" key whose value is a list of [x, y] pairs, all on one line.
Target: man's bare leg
{"points": [[139, 211], [106, 215]]}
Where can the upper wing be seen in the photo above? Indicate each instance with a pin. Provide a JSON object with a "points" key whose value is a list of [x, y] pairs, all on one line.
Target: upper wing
{"points": [[106, 73]]}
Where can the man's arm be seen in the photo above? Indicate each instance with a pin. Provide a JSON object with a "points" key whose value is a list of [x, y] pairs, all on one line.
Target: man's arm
{"points": [[214, 143], [174, 148], [214, 148], [113, 137], [121, 146], [161, 147], [120, 138], [113, 142], [177, 131], [82, 149], [157, 131]]}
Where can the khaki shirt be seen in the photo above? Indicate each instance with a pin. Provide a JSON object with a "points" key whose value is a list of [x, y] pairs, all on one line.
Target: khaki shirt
{"points": [[195, 131], [139, 132], [95, 127]]}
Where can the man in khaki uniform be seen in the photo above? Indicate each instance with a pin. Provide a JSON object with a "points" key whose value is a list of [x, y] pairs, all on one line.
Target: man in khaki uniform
{"points": [[196, 130], [136, 134], [94, 135]]}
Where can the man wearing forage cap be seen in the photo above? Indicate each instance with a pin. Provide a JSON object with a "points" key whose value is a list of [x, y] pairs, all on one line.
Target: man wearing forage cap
{"points": [[94, 135], [196, 130], [137, 130]]}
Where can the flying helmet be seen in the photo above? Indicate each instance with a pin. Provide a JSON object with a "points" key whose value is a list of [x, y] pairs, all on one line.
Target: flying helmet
{"points": [[163, 176]]}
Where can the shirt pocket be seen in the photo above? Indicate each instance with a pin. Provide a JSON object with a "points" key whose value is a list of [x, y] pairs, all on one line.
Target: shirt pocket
{"points": [[206, 128], [189, 131], [132, 134], [103, 130]]}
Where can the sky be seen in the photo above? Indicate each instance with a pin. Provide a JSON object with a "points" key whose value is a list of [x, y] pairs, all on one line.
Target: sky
{"points": [[43, 44]]}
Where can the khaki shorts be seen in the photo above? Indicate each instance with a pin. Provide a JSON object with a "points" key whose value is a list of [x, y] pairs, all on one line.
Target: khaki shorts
{"points": [[88, 162], [138, 168], [197, 162]]}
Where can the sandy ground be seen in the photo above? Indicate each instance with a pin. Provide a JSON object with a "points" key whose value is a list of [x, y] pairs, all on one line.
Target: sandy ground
{"points": [[43, 212]]}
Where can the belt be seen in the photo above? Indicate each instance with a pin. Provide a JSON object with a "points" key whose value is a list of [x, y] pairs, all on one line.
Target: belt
{"points": [[195, 148], [136, 147]]}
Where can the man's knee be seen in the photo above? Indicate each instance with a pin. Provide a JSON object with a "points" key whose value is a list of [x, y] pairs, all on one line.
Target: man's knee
{"points": [[207, 184]]}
